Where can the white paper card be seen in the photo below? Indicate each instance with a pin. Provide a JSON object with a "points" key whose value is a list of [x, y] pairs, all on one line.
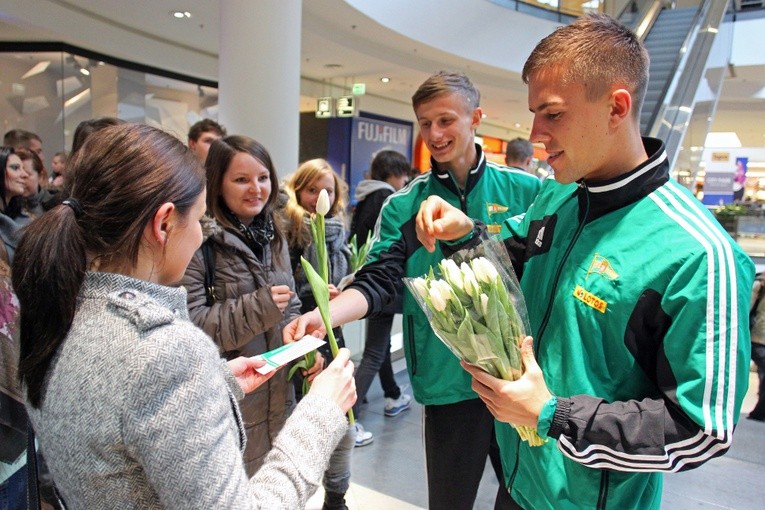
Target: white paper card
{"points": [[286, 353]]}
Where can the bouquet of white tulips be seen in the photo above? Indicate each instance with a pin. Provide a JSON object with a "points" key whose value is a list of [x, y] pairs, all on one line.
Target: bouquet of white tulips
{"points": [[475, 306]]}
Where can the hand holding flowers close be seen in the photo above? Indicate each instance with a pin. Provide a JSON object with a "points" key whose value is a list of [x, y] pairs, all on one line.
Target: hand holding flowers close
{"points": [[517, 402]]}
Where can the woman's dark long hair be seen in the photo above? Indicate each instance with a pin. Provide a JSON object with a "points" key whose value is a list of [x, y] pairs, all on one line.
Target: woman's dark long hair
{"points": [[118, 180], [13, 207], [220, 156]]}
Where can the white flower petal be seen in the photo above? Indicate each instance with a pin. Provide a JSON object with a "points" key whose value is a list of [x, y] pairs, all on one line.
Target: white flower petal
{"points": [[322, 204]]}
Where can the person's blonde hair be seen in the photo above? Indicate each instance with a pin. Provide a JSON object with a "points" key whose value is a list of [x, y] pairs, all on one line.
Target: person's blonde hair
{"points": [[597, 51], [298, 233]]}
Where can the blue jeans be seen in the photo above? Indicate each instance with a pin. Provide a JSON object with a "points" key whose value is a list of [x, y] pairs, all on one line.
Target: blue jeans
{"points": [[376, 358], [13, 491]]}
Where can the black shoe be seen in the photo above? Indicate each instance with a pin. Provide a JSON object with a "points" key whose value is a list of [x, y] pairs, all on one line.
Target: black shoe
{"points": [[334, 501]]}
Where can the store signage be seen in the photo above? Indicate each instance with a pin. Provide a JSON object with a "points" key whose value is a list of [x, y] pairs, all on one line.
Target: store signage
{"points": [[359, 89], [324, 108], [346, 106], [720, 156]]}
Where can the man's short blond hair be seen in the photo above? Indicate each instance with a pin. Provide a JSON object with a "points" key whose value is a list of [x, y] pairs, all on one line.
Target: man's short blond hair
{"points": [[597, 51], [446, 82]]}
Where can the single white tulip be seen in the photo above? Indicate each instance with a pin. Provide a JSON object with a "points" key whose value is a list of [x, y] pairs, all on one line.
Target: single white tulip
{"points": [[484, 270], [485, 304], [421, 286], [322, 204], [451, 272], [470, 284], [436, 298]]}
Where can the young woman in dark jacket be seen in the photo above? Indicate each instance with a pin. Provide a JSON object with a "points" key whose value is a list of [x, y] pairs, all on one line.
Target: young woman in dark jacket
{"points": [[252, 279]]}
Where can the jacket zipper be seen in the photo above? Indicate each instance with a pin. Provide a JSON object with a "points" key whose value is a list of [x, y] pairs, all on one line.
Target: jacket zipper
{"points": [[559, 269], [410, 340], [461, 193], [603, 492]]}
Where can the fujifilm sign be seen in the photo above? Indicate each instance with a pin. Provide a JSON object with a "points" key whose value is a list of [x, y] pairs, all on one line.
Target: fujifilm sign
{"points": [[387, 134]]}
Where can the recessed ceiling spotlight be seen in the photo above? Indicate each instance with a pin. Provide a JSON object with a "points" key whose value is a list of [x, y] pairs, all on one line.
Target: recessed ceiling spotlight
{"points": [[483, 115], [385, 79], [181, 14], [517, 125], [84, 71]]}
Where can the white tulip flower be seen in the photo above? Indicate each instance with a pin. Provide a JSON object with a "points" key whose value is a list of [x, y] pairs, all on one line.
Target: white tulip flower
{"points": [[436, 298], [484, 270], [485, 304], [322, 204], [470, 283], [421, 285], [451, 272]]}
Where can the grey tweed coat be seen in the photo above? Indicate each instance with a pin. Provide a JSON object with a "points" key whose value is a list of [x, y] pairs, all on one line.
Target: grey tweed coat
{"points": [[139, 412]]}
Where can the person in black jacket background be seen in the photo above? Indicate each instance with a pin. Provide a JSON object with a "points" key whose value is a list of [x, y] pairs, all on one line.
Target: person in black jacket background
{"points": [[389, 172]]}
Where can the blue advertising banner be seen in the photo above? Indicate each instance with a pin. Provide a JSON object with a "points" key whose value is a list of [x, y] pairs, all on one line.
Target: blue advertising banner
{"points": [[371, 135]]}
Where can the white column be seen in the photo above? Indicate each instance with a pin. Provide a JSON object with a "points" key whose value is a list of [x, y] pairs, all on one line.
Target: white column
{"points": [[259, 75]]}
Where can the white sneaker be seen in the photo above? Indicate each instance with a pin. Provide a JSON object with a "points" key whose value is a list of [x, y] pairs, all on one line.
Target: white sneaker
{"points": [[363, 437], [394, 407]]}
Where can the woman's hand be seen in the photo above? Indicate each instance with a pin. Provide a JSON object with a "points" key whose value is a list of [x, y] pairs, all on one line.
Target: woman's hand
{"points": [[316, 369], [333, 291], [248, 378], [336, 381], [281, 295]]}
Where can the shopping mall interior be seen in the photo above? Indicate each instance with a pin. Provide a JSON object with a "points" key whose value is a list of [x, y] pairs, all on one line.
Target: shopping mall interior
{"points": [[267, 68]]}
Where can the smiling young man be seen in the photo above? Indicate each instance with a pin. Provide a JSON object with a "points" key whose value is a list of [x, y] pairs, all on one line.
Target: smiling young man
{"points": [[638, 300], [458, 427]]}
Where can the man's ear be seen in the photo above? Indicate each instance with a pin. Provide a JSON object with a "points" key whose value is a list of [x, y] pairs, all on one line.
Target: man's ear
{"points": [[161, 223], [621, 105], [477, 116]]}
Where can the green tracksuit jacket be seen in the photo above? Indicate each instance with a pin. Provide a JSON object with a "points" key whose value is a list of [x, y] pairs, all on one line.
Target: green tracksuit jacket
{"points": [[638, 303], [492, 194]]}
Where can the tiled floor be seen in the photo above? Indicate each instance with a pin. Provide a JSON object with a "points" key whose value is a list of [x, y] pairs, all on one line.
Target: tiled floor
{"points": [[390, 473]]}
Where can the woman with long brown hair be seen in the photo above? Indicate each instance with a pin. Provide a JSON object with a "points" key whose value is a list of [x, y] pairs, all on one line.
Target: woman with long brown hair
{"points": [[130, 401]]}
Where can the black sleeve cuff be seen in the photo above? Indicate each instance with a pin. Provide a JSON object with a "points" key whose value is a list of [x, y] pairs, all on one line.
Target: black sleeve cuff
{"points": [[560, 418]]}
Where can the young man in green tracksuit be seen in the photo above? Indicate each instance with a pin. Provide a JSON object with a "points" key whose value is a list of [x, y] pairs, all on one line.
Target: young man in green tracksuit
{"points": [[458, 428], [638, 300]]}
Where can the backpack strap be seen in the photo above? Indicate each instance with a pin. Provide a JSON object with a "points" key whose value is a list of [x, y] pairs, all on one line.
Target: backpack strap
{"points": [[208, 254], [760, 294]]}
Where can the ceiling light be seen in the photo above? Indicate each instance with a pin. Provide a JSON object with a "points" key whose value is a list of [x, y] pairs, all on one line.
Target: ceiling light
{"points": [[385, 79], [333, 66], [84, 71], [517, 125], [483, 115], [181, 14]]}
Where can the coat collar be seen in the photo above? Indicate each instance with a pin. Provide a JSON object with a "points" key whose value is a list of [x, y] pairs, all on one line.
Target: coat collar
{"points": [[601, 197], [474, 174]]}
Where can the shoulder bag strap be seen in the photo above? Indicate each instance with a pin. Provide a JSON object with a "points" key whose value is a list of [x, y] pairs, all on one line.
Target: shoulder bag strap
{"points": [[208, 254], [33, 491]]}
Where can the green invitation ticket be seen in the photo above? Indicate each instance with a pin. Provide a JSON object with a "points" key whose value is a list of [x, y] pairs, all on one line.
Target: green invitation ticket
{"points": [[287, 352]]}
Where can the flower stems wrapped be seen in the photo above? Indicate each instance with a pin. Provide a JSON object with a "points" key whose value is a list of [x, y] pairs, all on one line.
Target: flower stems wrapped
{"points": [[476, 308]]}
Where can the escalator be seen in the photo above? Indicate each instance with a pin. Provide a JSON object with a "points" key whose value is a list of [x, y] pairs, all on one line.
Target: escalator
{"points": [[663, 43], [679, 42]]}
